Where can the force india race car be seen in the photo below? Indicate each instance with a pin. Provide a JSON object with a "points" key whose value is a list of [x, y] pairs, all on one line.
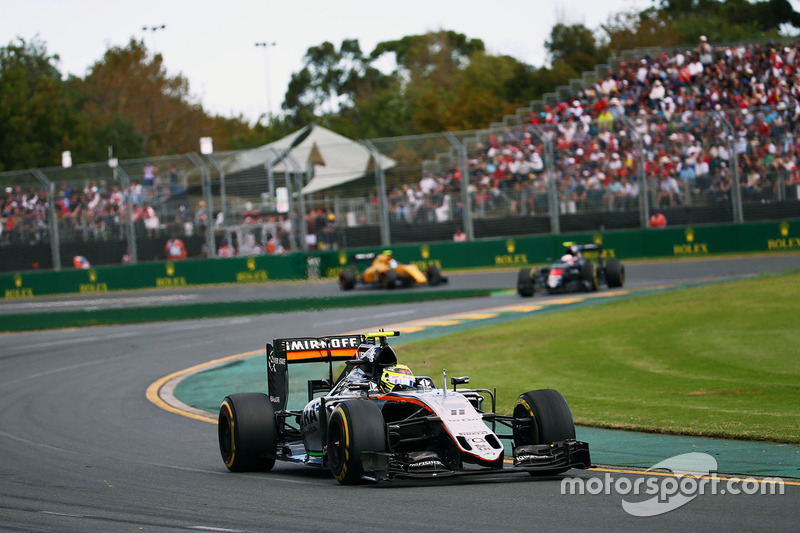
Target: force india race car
{"points": [[377, 421], [384, 271], [573, 273]]}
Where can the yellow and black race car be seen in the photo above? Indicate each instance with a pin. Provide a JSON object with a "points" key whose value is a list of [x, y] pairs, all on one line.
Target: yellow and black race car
{"points": [[384, 271]]}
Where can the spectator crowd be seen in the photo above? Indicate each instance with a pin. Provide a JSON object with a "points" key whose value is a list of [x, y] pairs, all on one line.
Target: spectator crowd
{"points": [[665, 117]]}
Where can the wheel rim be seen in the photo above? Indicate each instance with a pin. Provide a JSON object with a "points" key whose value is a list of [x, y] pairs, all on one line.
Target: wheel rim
{"points": [[225, 434], [336, 445], [522, 431]]}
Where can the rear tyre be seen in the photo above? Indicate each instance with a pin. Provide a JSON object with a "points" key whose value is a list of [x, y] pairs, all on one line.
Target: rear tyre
{"points": [[347, 279], [543, 417], [615, 273], [247, 432], [389, 279], [434, 276], [589, 275], [355, 426], [525, 282]]}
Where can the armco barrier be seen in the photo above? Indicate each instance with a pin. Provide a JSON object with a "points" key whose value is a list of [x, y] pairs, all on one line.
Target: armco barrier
{"points": [[668, 242], [510, 252], [169, 274]]}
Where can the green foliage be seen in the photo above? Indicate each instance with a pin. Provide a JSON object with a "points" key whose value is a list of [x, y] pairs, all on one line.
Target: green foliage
{"points": [[576, 46], [130, 84], [328, 82], [682, 22], [35, 126]]}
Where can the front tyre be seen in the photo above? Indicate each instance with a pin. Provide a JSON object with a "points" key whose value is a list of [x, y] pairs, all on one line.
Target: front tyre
{"points": [[589, 275], [615, 274], [247, 432], [355, 426], [434, 276], [347, 279], [542, 417], [525, 285]]}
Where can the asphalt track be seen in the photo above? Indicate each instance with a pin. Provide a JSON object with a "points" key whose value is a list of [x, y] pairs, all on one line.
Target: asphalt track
{"points": [[85, 450]]}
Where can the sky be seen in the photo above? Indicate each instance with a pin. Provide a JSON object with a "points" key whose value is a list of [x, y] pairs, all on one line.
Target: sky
{"points": [[212, 43]]}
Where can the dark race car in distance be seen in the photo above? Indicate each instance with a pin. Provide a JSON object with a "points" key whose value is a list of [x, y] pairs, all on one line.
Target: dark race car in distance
{"points": [[574, 272]]}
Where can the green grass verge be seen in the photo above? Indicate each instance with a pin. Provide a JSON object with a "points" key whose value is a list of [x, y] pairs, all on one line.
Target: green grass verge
{"points": [[721, 360], [132, 315]]}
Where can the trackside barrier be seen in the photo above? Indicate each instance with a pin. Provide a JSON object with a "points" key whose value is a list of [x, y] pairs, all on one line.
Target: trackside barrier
{"points": [[508, 252]]}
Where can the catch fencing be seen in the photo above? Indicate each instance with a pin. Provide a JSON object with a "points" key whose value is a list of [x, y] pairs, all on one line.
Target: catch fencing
{"points": [[600, 174]]}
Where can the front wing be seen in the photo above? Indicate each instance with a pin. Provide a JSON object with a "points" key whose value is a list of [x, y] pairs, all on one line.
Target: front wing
{"points": [[540, 459]]}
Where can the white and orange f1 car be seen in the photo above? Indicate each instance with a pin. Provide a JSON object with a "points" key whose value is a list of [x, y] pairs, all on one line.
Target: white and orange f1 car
{"points": [[377, 421]]}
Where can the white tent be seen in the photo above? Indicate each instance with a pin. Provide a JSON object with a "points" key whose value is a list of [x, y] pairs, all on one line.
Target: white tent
{"points": [[336, 158]]}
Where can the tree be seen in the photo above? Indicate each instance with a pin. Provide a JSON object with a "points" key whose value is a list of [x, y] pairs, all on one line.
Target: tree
{"points": [[341, 88], [682, 22], [431, 68], [631, 29], [328, 83], [767, 15], [129, 85], [35, 125], [576, 46]]}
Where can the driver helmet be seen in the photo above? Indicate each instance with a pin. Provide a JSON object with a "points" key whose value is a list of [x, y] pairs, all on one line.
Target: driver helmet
{"points": [[567, 258], [390, 259], [396, 375]]}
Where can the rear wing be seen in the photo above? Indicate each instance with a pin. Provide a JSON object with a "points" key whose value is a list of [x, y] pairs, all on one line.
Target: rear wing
{"points": [[364, 256], [284, 352], [584, 247], [591, 248]]}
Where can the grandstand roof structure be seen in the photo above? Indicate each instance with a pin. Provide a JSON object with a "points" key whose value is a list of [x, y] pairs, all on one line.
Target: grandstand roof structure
{"points": [[336, 159]]}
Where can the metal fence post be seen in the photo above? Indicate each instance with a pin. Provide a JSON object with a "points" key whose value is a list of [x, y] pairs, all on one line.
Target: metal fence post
{"points": [[736, 186], [301, 219], [52, 223], [130, 230], [644, 205], [383, 201], [221, 173], [269, 166], [466, 211], [550, 173], [205, 178]]}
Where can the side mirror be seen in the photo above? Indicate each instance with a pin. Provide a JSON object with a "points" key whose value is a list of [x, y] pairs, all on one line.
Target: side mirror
{"points": [[459, 381]]}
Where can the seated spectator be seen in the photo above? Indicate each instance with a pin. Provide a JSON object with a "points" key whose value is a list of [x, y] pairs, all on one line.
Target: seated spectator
{"points": [[274, 245], [80, 261], [175, 250], [225, 249], [657, 219]]}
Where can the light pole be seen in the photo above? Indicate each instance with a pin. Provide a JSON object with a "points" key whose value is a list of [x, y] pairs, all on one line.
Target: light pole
{"points": [[266, 45], [154, 29]]}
